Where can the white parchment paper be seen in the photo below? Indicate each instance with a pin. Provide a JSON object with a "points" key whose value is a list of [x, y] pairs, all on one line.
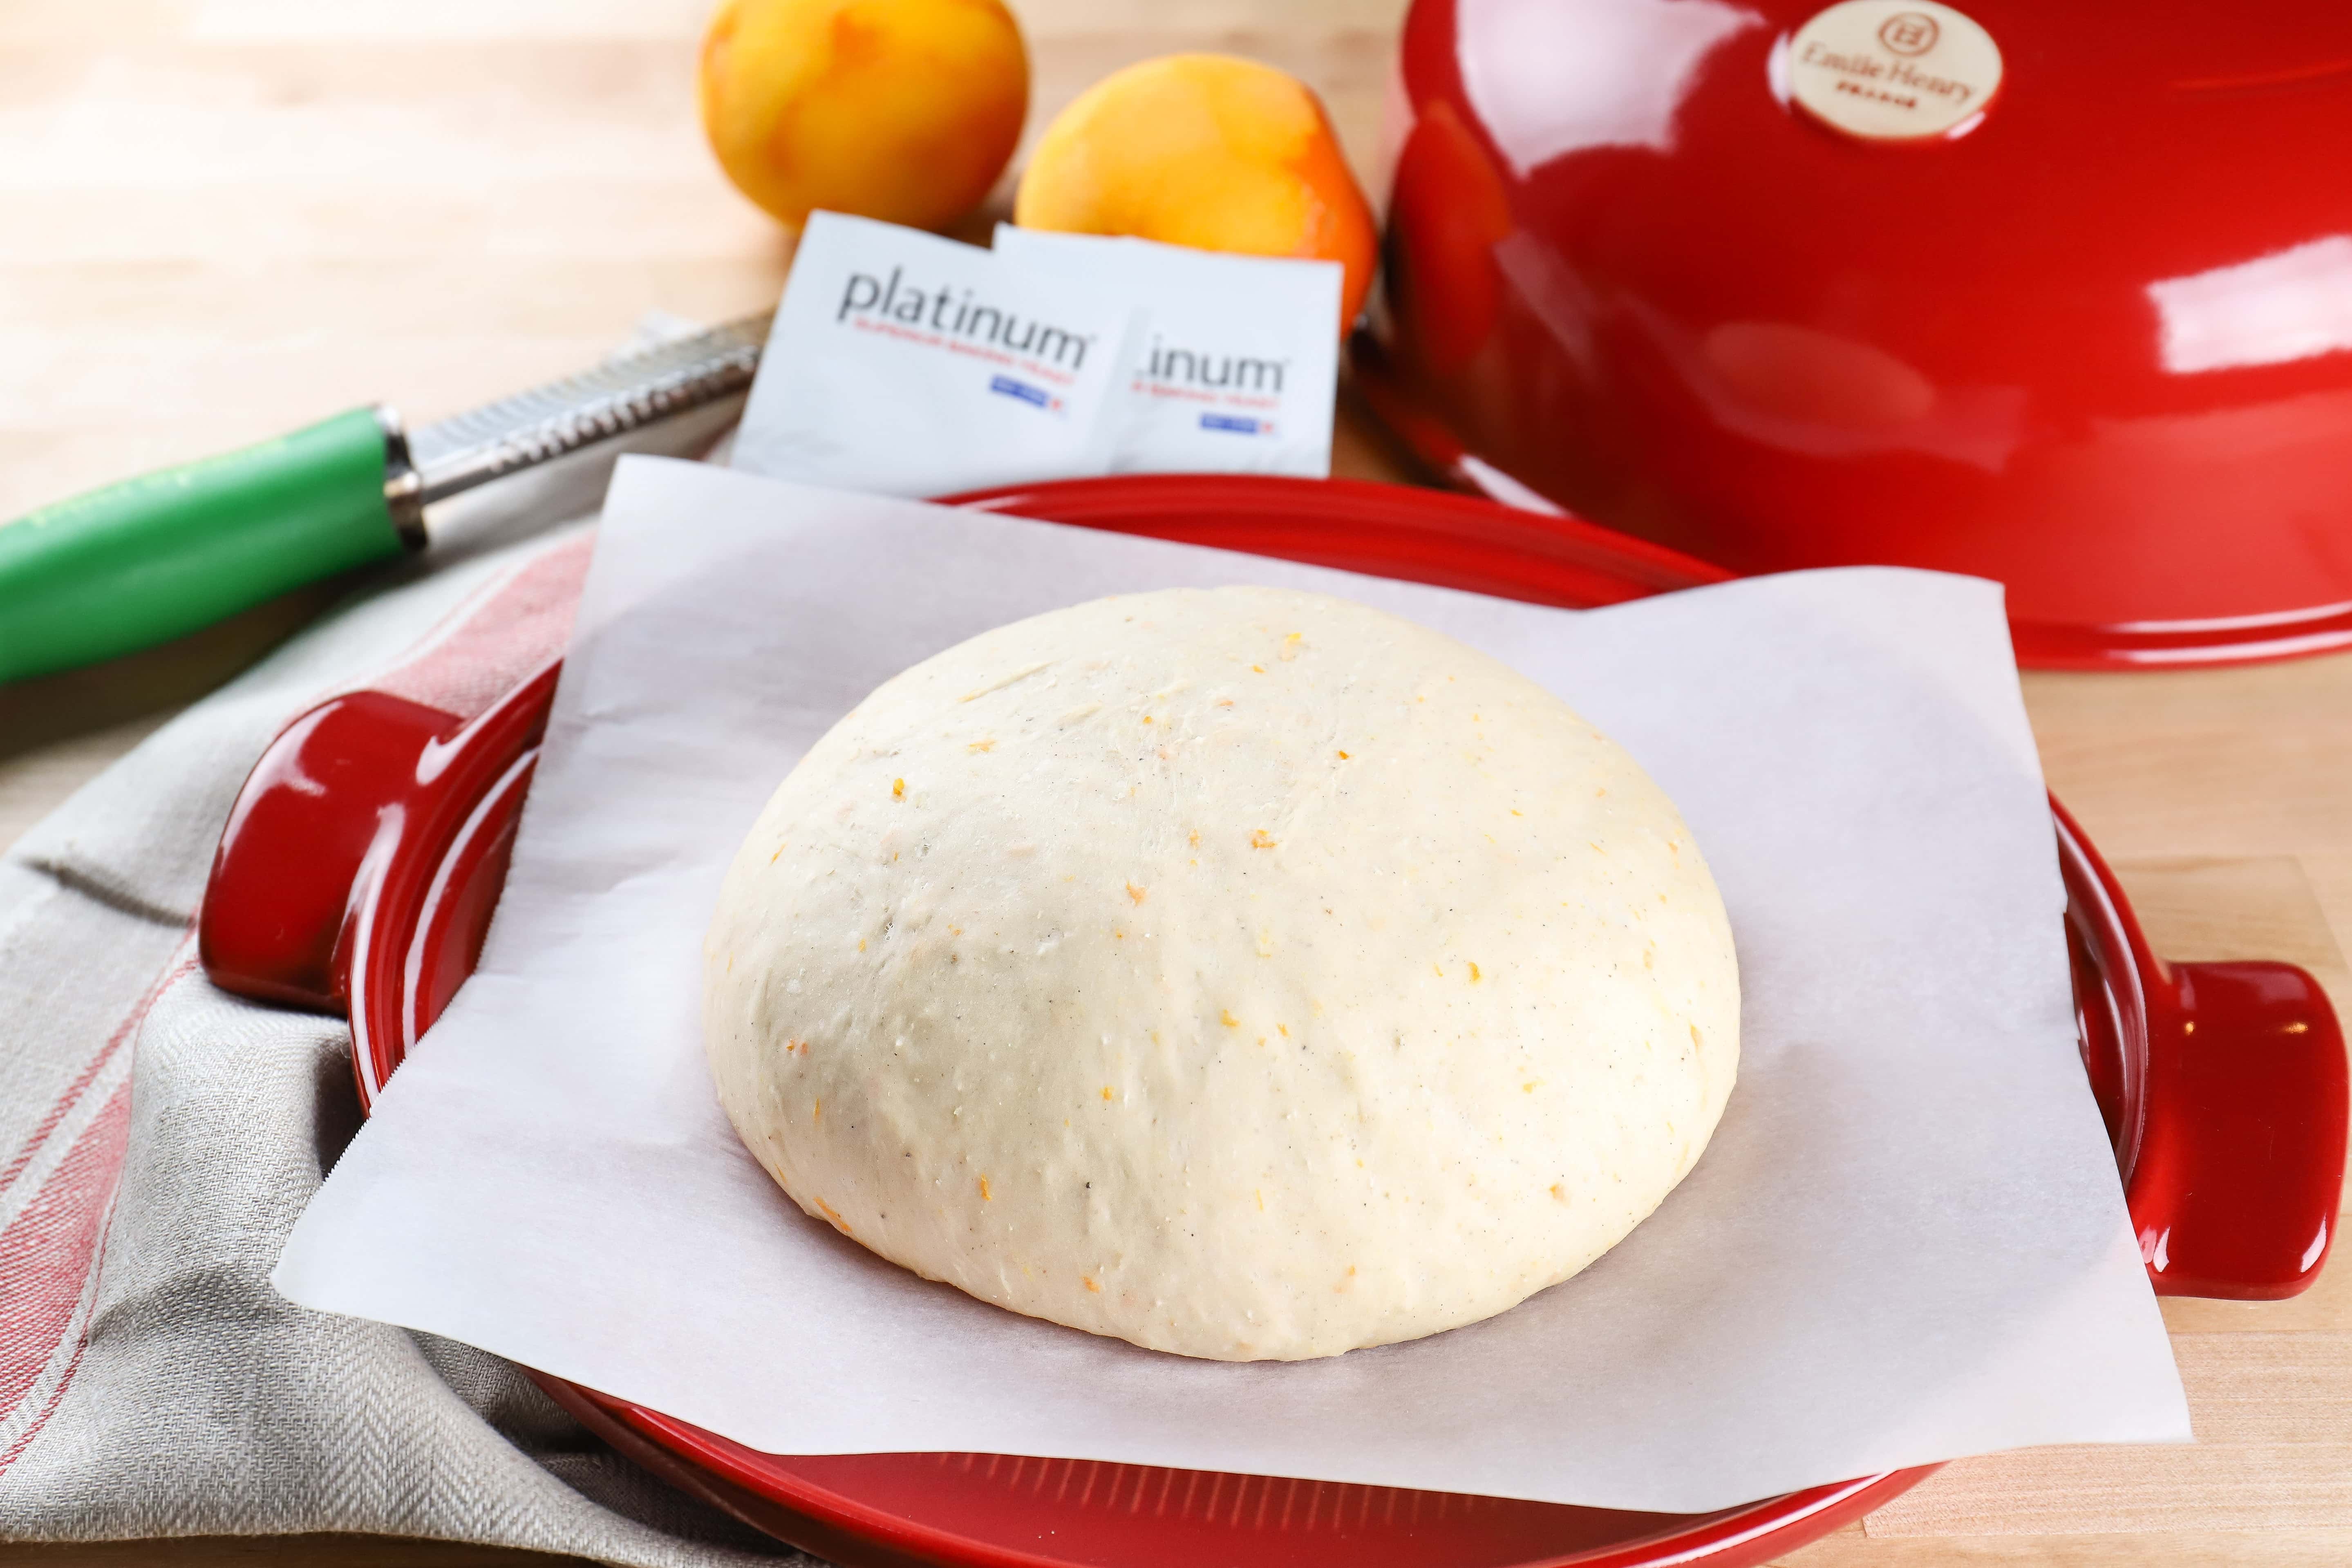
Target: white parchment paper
{"points": [[1906, 1242]]}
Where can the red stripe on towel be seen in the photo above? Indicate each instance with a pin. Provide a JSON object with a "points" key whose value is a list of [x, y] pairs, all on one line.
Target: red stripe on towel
{"points": [[46, 1254], [492, 644], [50, 1251], [80, 1085]]}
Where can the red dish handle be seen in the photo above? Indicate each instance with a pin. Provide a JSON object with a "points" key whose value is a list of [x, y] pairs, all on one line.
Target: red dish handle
{"points": [[2224, 1086], [309, 826], [339, 848], [2241, 1167]]}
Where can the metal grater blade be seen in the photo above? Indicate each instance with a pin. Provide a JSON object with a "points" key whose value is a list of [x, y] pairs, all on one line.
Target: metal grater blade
{"points": [[625, 394]]}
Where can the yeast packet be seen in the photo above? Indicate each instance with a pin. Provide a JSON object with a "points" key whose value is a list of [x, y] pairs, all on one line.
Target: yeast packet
{"points": [[1239, 360], [907, 364]]}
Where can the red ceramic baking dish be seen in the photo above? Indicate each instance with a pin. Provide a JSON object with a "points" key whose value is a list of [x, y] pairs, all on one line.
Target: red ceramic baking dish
{"points": [[366, 855], [2076, 319]]}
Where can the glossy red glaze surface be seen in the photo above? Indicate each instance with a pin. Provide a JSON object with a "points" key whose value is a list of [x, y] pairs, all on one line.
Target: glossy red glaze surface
{"points": [[2094, 347], [368, 820], [988, 1510], [278, 924], [1383, 531], [417, 817], [2224, 1086]]}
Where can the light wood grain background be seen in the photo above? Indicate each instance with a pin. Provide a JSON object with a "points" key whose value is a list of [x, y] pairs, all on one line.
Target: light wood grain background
{"points": [[222, 218]]}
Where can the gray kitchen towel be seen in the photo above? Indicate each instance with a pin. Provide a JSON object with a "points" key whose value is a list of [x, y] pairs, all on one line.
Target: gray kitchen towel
{"points": [[158, 1138]]}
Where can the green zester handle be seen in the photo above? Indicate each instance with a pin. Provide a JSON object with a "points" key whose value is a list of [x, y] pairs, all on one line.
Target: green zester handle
{"points": [[153, 558]]}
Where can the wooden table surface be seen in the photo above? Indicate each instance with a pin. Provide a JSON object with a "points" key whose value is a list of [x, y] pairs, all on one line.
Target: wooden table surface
{"points": [[221, 218]]}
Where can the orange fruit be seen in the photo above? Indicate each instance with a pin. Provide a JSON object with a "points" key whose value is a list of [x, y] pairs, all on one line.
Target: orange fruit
{"points": [[905, 111], [1208, 151]]}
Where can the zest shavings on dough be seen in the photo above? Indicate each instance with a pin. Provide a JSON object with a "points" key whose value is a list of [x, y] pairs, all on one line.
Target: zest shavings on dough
{"points": [[1242, 972]]}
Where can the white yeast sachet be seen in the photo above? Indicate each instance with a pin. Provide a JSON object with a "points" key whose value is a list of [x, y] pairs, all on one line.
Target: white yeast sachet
{"points": [[1243, 972], [1236, 364], [907, 364]]}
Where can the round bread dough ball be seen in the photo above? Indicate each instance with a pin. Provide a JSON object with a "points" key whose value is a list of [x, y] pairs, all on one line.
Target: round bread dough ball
{"points": [[1243, 972]]}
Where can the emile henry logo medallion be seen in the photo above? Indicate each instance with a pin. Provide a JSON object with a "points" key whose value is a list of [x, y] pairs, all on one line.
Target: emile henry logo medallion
{"points": [[1891, 70]]}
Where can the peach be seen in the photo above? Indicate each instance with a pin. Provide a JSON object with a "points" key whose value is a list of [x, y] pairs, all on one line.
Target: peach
{"points": [[1207, 151], [905, 111]]}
